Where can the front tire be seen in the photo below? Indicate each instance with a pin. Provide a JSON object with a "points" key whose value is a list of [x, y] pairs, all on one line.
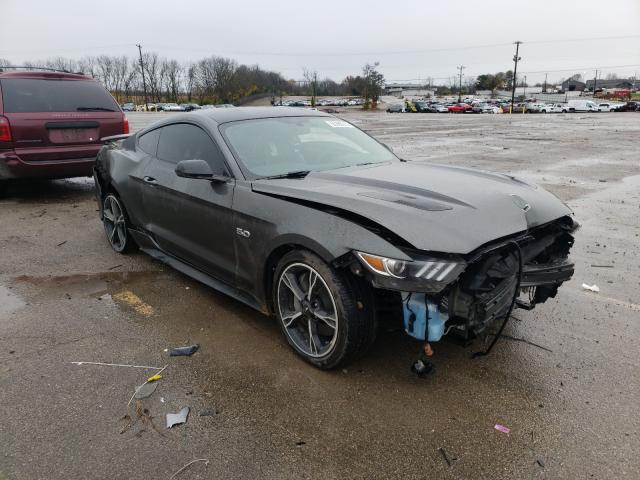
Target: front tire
{"points": [[4, 186], [320, 311], [116, 224]]}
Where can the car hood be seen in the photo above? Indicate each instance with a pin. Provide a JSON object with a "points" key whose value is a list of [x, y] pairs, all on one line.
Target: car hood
{"points": [[436, 208]]}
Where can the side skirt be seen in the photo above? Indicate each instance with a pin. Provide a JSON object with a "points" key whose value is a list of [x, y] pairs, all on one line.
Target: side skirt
{"points": [[150, 247]]}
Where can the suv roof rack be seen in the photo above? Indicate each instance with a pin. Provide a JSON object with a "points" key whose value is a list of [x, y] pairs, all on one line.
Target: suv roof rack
{"points": [[16, 67]]}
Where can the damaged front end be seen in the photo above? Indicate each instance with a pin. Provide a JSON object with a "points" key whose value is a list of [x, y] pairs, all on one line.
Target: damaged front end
{"points": [[464, 295]]}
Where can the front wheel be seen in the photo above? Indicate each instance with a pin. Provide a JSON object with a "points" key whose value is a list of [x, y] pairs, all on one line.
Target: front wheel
{"points": [[116, 227], [4, 186], [320, 312]]}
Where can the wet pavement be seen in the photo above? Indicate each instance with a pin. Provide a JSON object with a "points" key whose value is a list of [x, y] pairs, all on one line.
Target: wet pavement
{"points": [[566, 381]]}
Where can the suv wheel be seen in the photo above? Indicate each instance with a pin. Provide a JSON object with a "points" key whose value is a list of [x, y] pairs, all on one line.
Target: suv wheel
{"points": [[4, 185], [116, 226], [318, 311]]}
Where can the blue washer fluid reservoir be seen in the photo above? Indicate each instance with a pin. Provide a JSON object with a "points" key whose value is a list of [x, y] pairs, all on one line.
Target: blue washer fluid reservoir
{"points": [[422, 315]]}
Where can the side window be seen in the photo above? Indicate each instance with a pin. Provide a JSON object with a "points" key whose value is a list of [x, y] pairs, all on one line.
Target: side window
{"points": [[148, 142], [183, 141]]}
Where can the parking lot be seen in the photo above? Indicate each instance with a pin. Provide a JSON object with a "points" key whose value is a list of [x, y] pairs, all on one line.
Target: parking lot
{"points": [[565, 380]]}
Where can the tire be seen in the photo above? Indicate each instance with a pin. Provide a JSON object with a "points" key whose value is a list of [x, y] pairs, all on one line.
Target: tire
{"points": [[335, 312], [4, 186], [116, 224]]}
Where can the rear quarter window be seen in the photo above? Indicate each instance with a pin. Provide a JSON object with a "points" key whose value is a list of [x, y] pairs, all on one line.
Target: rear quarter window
{"points": [[25, 95], [148, 142]]}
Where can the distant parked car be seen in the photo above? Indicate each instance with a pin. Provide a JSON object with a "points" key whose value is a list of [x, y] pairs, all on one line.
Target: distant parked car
{"points": [[188, 107], [485, 108], [421, 107], [51, 124], [395, 108], [128, 107], [224, 105], [438, 108], [460, 108], [629, 107], [582, 106], [172, 107]]}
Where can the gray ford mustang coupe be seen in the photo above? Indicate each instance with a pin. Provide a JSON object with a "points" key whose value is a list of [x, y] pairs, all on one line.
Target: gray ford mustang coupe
{"points": [[305, 217]]}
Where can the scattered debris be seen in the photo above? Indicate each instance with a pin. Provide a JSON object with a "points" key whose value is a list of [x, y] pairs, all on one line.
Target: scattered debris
{"points": [[502, 428], [153, 378], [540, 462], [145, 390], [300, 443], [119, 365], [444, 455], [115, 266], [161, 399], [422, 367], [61, 243], [209, 412], [184, 351], [523, 340], [146, 417], [205, 460], [591, 288], [177, 418], [602, 266], [128, 425]]}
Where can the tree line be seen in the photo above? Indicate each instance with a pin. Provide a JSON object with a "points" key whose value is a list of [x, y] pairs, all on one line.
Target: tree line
{"points": [[210, 80]]}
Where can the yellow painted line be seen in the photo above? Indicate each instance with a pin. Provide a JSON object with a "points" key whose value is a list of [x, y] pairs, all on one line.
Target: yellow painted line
{"points": [[134, 301]]}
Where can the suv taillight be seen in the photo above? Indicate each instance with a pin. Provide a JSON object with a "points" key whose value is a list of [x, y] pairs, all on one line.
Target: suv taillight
{"points": [[5, 131], [125, 124]]}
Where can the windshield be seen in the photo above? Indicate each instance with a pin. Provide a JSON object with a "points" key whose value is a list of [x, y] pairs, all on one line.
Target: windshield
{"points": [[277, 146], [40, 95]]}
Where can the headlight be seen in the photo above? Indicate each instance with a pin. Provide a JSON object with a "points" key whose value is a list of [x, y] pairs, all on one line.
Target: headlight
{"points": [[384, 266], [424, 274]]}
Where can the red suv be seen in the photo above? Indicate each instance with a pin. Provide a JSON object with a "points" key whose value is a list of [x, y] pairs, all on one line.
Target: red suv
{"points": [[51, 124]]}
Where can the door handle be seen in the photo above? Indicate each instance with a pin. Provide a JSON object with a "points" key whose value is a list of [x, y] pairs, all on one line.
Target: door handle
{"points": [[150, 180]]}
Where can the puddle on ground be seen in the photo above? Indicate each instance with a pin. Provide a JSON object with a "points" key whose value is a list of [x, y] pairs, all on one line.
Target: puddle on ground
{"points": [[9, 301], [110, 286]]}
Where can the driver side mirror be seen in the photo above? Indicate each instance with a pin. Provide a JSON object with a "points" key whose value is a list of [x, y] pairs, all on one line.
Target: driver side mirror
{"points": [[194, 169]]}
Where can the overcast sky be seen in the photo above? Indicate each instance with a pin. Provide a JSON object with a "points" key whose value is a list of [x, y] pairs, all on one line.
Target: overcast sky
{"points": [[412, 39]]}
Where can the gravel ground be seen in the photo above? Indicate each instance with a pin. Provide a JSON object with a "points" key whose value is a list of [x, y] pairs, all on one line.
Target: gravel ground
{"points": [[570, 396]]}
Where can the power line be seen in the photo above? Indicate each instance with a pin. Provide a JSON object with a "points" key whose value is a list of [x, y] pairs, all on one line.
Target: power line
{"points": [[333, 54]]}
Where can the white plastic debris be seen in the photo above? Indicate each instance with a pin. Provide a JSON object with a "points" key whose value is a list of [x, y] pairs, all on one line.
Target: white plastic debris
{"points": [[591, 288], [177, 418]]}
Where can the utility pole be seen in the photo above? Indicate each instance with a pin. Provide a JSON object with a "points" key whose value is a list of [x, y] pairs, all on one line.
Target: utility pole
{"points": [[525, 88], [144, 82], [545, 83], [595, 83], [461, 67], [516, 59]]}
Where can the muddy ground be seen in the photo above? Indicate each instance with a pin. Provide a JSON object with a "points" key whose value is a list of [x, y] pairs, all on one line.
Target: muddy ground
{"points": [[566, 382]]}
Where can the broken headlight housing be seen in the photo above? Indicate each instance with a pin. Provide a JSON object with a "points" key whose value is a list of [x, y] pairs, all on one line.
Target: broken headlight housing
{"points": [[423, 274]]}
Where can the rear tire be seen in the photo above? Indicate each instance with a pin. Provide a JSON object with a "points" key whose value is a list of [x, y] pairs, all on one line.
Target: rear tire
{"points": [[324, 316], [4, 186], [116, 224]]}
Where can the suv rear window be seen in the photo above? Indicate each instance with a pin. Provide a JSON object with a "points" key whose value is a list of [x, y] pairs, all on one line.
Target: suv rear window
{"points": [[22, 95]]}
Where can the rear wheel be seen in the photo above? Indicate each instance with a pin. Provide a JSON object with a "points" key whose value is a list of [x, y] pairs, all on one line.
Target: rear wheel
{"points": [[4, 186], [116, 226], [319, 311]]}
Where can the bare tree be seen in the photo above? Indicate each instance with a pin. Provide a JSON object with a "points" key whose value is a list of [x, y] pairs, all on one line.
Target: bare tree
{"points": [[190, 81], [311, 77]]}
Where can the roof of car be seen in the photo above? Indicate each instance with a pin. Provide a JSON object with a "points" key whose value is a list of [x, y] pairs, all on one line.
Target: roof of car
{"points": [[38, 74], [223, 115]]}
